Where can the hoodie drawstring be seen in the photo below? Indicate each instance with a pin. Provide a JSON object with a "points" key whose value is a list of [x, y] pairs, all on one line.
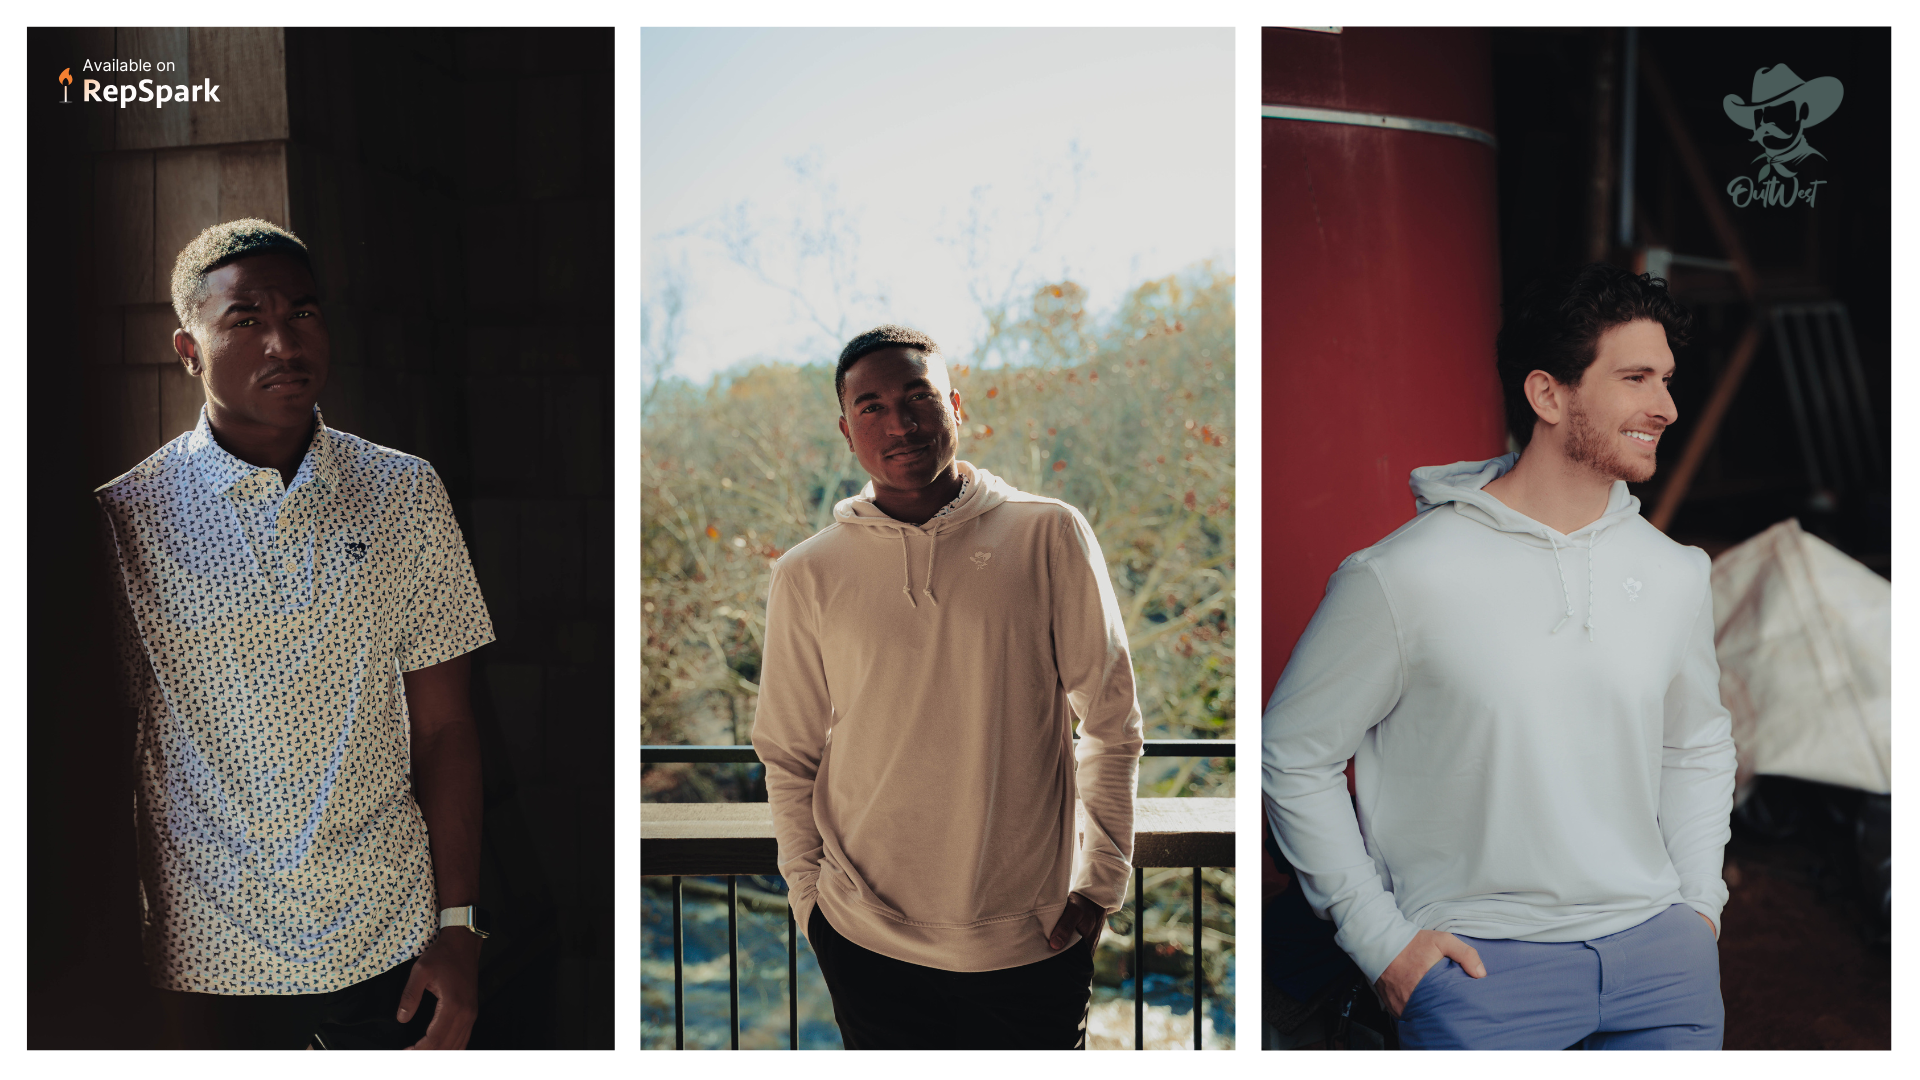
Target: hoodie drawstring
{"points": [[906, 571], [1590, 542], [980, 491], [1561, 571], [934, 542]]}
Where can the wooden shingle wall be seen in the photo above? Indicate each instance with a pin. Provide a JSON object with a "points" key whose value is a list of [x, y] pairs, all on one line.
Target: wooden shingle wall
{"points": [[159, 176]]}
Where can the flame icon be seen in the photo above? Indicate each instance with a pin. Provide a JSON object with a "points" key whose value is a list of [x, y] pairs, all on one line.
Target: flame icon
{"points": [[66, 79]]}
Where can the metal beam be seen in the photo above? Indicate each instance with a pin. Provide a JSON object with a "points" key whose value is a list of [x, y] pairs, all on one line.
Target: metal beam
{"points": [[1703, 187], [1629, 133], [1379, 120]]}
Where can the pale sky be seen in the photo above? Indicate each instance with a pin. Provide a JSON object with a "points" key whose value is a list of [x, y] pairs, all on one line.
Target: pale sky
{"points": [[906, 125]]}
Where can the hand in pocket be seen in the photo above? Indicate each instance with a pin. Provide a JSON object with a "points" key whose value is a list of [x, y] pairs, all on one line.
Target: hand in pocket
{"points": [[1427, 949]]}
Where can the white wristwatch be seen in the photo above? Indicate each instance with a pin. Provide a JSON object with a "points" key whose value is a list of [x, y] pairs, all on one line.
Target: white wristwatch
{"points": [[470, 916]]}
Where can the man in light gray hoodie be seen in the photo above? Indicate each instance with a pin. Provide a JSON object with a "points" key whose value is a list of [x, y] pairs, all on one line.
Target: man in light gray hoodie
{"points": [[1525, 680]]}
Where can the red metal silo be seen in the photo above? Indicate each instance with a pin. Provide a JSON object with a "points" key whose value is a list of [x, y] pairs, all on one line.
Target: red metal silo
{"points": [[1381, 292]]}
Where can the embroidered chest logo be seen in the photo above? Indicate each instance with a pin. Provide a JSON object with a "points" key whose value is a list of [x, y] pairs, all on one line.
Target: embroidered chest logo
{"points": [[980, 559], [1632, 587], [356, 550]]}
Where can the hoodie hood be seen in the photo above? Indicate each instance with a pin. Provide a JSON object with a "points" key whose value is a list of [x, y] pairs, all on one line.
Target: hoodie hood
{"points": [[1464, 483], [983, 492]]}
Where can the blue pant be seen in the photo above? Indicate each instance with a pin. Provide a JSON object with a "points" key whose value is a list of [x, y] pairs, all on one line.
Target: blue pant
{"points": [[1653, 987]]}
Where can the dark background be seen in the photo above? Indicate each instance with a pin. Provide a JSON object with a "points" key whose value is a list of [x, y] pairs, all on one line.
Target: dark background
{"points": [[456, 190], [1557, 90], [1804, 963]]}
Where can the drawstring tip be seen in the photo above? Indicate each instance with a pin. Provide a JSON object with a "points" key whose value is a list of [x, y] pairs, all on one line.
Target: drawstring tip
{"points": [[930, 596], [909, 591], [1558, 625]]}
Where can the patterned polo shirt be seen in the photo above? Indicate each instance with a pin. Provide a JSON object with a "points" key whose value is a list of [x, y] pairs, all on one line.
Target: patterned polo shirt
{"points": [[264, 629]]}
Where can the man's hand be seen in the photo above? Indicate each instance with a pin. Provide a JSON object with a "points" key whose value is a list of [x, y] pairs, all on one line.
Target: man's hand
{"points": [[1427, 948], [1709, 922], [450, 970], [1081, 914]]}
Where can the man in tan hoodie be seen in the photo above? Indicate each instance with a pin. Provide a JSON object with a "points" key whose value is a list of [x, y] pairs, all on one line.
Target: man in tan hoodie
{"points": [[926, 657]]}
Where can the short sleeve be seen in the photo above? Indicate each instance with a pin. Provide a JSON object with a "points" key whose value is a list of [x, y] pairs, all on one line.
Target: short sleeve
{"points": [[446, 614]]}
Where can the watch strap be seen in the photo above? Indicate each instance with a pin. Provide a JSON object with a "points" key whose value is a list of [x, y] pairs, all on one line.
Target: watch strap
{"points": [[465, 916]]}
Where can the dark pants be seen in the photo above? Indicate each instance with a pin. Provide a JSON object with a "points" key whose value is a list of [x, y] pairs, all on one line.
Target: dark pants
{"points": [[357, 1017], [885, 1004]]}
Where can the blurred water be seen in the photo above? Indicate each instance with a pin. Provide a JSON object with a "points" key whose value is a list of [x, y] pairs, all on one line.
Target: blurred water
{"points": [[764, 1022]]}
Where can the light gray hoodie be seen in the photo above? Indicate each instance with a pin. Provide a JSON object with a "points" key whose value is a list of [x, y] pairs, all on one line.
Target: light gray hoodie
{"points": [[918, 690], [1540, 751]]}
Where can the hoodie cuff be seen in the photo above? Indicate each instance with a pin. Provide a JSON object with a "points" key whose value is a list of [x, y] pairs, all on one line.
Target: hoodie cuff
{"points": [[1706, 895], [1102, 880], [1375, 936], [1712, 914], [803, 894]]}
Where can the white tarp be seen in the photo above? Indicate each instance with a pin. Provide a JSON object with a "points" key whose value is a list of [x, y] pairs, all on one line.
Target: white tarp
{"points": [[1805, 640]]}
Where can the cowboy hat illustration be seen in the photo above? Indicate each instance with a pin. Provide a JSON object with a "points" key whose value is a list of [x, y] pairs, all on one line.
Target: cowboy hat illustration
{"points": [[1784, 106]]}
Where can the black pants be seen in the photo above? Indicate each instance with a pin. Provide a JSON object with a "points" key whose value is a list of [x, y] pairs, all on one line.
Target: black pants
{"points": [[357, 1017], [885, 1004]]}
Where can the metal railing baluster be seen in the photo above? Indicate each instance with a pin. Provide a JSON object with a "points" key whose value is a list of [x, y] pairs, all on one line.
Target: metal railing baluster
{"points": [[733, 958], [679, 999], [1197, 1026], [1139, 957], [793, 981]]}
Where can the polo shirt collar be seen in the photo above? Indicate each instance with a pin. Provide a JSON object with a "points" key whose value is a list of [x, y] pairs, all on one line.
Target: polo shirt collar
{"points": [[222, 471]]}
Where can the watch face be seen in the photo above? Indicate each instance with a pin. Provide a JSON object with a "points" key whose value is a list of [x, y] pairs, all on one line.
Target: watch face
{"points": [[481, 920]]}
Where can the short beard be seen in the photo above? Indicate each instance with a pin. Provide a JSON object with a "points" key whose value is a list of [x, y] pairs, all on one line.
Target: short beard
{"points": [[1589, 446]]}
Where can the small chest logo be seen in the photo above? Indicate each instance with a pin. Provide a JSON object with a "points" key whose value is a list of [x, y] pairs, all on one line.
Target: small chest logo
{"points": [[356, 550], [980, 559], [1632, 587]]}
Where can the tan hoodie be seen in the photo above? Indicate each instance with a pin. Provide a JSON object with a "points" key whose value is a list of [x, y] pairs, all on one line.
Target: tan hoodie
{"points": [[918, 690]]}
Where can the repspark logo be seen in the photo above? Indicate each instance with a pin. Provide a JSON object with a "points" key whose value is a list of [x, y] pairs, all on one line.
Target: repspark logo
{"points": [[125, 94]]}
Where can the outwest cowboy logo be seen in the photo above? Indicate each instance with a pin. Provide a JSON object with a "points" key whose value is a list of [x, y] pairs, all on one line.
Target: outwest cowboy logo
{"points": [[1782, 108]]}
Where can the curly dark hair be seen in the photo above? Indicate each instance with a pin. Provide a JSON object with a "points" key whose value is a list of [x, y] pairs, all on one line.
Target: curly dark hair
{"points": [[218, 245], [1556, 324], [880, 337]]}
